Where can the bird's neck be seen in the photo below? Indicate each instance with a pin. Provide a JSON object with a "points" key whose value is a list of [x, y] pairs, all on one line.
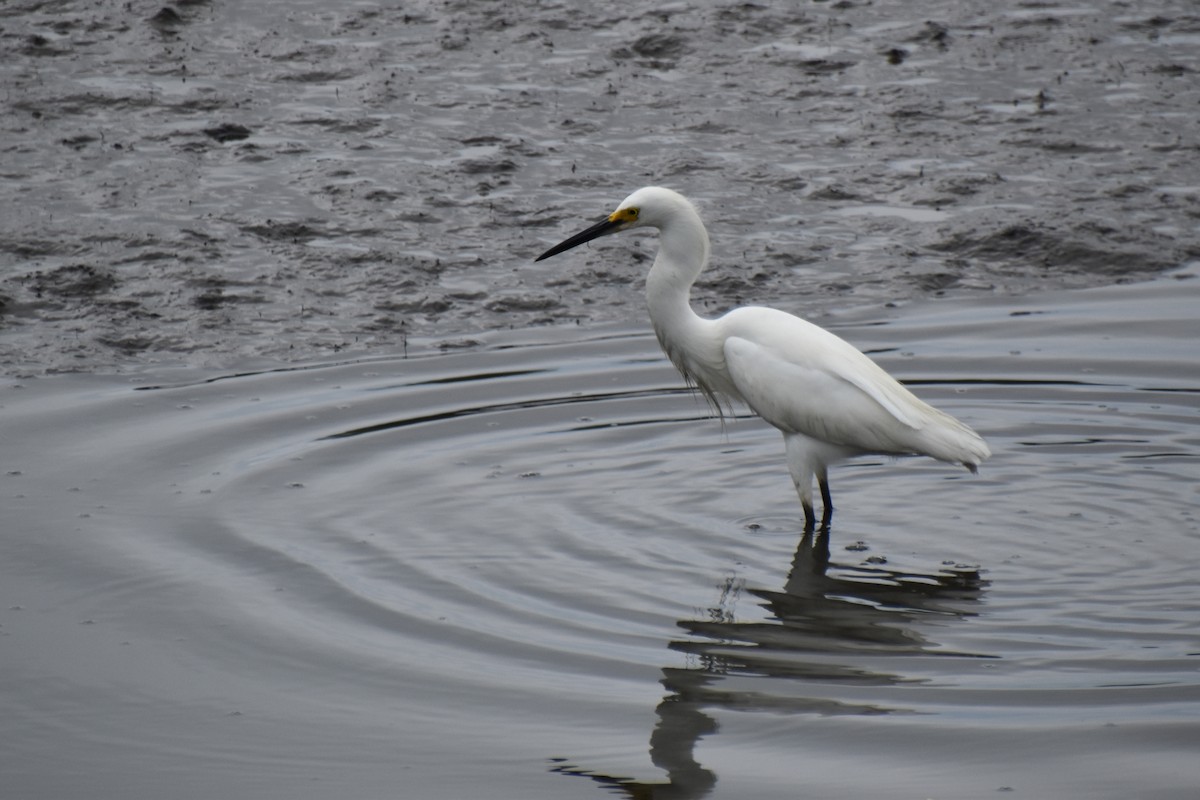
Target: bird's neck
{"points": [[687, 338], [682, 255]]}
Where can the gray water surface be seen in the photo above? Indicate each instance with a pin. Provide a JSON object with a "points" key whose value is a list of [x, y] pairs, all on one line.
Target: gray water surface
{"points": [[538, 569]]}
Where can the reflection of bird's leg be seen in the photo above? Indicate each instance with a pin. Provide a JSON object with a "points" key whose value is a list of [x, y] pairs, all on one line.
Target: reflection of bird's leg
{"points": [[811, 558], [821, 548]]}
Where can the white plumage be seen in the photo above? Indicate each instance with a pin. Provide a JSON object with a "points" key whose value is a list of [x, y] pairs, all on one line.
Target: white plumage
{"points": [[829, 400]]}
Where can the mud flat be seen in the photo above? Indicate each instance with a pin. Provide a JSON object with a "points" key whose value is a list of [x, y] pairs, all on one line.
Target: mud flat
{"points": [[213, 183]]}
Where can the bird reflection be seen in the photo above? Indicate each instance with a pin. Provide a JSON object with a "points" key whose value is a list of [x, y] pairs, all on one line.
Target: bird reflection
{"points": [[828, 623]]}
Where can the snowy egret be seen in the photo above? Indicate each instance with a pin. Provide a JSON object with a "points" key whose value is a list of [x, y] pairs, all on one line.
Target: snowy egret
{"points": [[829, 400]]}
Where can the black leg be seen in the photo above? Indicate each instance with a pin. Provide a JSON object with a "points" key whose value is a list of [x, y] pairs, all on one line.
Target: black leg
{"points": [[826, 498], [810, 517]]}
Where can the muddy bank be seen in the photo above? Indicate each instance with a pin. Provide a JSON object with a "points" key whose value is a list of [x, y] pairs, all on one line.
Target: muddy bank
{"points": [[211, 183]]}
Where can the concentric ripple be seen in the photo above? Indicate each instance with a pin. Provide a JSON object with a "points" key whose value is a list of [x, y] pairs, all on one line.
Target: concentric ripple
{"points": [[543, 560]]}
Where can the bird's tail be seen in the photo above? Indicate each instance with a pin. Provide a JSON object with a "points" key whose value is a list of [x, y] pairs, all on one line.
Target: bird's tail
{"points": [[947, 439]]}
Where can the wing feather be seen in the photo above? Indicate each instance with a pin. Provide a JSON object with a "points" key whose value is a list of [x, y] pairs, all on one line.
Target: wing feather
{"points": [[804, 379]]}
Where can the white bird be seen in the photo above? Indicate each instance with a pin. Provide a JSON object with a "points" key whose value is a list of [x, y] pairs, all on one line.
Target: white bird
{"points": [[829, 400]]}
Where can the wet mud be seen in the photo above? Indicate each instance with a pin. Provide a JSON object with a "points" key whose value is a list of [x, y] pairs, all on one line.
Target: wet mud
{"points": [[211, 183]]}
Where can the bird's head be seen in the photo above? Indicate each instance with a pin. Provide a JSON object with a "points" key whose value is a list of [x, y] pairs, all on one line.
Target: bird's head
{"points": [[651, 205]]}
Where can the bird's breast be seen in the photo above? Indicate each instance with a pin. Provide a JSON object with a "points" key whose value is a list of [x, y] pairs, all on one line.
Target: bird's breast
{"points": [[704, 368]]}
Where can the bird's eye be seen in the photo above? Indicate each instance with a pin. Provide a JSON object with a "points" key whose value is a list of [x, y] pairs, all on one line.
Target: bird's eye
{"points": [[624, 216]]}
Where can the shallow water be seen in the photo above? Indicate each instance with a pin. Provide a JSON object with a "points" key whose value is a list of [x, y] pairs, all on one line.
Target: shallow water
{"points": [[538, 569]]}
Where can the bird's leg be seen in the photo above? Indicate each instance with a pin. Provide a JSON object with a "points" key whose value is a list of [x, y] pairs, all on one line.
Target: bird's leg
{"points": [[826, 498], [801, 467]]}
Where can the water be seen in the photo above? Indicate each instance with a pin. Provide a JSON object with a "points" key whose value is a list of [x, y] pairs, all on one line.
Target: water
{"points": [[538, 569], [534, 568]]}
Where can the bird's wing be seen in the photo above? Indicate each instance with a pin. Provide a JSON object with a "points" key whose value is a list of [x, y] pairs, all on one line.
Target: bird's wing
{"points": [[801, 378], [855, 368]]}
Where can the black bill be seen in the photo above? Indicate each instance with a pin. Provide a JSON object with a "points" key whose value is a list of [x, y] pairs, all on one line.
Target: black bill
{"points": [[601, 228]]}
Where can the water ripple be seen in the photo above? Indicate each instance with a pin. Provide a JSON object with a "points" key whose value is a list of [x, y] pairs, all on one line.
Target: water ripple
{"points": [[505, 541]]}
